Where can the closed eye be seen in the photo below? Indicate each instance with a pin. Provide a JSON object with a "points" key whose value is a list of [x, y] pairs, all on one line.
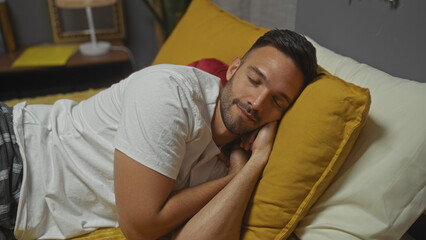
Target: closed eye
{"points": [[282, 100], [253, 81], [278, 103]]}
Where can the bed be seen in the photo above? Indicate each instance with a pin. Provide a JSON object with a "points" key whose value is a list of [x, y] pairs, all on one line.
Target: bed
{"points": [[349, 160]]}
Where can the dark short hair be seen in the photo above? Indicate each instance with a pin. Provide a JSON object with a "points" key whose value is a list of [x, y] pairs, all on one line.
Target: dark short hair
{"points": [[294, 46]]}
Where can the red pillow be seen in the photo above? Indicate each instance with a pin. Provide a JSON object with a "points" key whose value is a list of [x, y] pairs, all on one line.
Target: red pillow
{"points": [[212, 66]]}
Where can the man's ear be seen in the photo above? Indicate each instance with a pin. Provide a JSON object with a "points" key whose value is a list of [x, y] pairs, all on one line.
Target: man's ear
{"points": [[233, 66]]}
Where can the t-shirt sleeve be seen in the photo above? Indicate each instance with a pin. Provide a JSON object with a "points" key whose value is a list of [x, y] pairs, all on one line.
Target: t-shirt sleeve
{"points": [[153, 128]]}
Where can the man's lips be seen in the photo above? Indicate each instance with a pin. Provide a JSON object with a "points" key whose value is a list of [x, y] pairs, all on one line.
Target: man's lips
{"points": [[245, 114]]}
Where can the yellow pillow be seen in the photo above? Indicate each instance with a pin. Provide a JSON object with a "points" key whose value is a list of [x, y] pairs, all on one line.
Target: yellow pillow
{"points": [[206, 31], [314, 138], [113, 233]]}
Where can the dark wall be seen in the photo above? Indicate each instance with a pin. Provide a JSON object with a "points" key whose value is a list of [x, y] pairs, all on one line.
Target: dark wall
{"points": [[392, 40], [30, 21], [371, 32]]}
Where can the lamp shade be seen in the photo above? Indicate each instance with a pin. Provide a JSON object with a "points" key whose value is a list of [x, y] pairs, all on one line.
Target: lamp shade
{"points": [[83, 3]]}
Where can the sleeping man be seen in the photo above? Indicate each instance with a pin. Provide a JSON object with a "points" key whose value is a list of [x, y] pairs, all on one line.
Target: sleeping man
{"points": [[147, 154]]}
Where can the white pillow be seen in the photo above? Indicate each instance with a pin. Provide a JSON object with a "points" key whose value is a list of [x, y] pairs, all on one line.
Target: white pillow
{"points": [[380, 190]]}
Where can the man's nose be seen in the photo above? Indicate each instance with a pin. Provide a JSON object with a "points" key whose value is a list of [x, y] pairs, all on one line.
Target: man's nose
{"points": [[260, 99]]}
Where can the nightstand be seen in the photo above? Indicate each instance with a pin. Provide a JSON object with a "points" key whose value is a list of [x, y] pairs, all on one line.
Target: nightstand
{"points": [[80, 73]]}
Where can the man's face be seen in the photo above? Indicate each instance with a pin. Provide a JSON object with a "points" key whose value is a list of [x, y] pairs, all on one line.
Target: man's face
{"points": [[259, 90]]}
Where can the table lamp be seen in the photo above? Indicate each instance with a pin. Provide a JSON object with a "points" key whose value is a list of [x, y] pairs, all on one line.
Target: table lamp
{"points": [[94, 47]]}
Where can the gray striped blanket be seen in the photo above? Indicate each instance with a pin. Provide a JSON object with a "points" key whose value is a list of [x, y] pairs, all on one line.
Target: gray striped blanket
{"points": [[10, 173]]}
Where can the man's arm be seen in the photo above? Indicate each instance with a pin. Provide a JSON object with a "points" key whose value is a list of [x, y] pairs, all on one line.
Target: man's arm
{"points": [[146, 206], [222, 217]]}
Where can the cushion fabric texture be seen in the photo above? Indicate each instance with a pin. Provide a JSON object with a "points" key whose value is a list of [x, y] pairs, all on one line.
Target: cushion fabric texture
{"points": [[381, 188], [212, 66]]}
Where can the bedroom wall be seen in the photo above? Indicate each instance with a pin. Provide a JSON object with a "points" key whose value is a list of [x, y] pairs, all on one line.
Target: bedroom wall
{"points": [[369, 31], [265, 13], [392, 40]]}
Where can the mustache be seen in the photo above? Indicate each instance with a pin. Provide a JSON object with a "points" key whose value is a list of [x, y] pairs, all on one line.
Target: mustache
{"points": [[246, 107]]}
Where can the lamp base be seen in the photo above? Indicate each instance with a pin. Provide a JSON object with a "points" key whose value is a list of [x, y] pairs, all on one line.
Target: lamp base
{"points": [[94, 49]]}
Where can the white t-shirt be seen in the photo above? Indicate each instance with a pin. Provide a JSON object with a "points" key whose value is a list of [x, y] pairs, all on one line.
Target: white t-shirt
{"points": [[159, 116]]}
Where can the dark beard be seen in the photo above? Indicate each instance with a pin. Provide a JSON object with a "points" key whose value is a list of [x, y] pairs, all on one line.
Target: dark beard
{"points": [[235, 125]]}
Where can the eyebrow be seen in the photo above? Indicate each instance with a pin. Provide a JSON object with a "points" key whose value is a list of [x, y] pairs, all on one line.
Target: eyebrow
{"points": [[264, 78]]}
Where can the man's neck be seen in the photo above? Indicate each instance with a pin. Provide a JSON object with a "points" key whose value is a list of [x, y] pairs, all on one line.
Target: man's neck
{"points": [[221, 135]]}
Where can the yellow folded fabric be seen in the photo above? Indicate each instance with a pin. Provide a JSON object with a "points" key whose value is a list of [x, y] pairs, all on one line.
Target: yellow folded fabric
{"points": [[104, 234], [45, 55]]}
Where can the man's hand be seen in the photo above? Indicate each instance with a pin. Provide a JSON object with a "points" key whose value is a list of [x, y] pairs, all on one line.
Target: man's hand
{"points": [[237, 159], [234, 157], [248, 139], [259, 142], [265, 139]]}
